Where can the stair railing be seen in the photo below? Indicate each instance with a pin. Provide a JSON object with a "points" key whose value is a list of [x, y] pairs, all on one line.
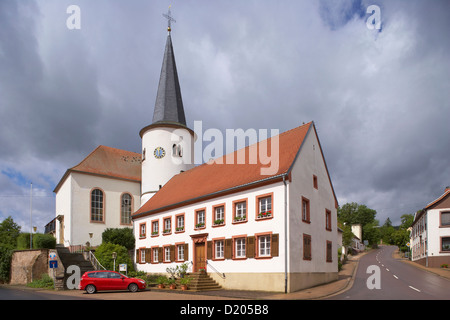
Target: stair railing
{"points": [[222, 275], [95, 263]]}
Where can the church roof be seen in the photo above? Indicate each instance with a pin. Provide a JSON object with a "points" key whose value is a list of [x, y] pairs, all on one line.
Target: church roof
{"points": [[210, 180], [169, 104], [109, 162]]}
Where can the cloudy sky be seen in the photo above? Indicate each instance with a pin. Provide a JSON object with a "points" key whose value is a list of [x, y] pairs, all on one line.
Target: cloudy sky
{"points": [[379, 98]]}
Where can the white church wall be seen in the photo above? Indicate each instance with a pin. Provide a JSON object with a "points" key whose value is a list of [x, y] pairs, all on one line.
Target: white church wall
{"points": [[82, 186]]}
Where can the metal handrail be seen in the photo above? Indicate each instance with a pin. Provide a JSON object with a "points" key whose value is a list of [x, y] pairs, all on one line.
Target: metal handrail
{"points": [[222, 275], [95, 262]]}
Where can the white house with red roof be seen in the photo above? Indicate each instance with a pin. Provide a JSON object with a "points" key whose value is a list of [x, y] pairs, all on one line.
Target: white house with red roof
{"points": [[248, 223], [430, 233]]}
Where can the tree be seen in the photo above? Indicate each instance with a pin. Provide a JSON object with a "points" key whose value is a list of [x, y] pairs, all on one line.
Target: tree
{"points": [[407, 221], [9, 232], [121, 236], [353, 213]]}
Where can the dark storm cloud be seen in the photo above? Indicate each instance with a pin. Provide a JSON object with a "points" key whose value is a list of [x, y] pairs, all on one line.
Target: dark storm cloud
{"points": [[379, 98]]}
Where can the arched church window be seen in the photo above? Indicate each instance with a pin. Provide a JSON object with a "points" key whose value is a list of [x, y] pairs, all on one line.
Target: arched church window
{"points": [[97, 205], [125, 209]]}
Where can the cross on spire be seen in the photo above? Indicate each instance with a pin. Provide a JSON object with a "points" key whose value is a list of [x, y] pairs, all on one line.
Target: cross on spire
{"points": [[169, 18]]}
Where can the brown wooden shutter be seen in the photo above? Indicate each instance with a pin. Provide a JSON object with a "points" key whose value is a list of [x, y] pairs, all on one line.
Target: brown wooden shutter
{"points": [[186, 252], [250, 247], [209, 250], [228, 248], [137, 256], [148, 255], [172, 253], [274, 245], [160, 254]]}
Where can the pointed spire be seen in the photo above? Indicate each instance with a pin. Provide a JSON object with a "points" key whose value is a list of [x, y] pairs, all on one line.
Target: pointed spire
{"points": [[169, 104]]}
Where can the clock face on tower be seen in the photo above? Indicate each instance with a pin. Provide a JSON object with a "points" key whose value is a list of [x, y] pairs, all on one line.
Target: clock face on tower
{"points": [[159, 153]]}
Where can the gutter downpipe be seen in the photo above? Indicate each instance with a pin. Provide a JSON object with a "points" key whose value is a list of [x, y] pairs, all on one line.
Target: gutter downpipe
{"points": [[285, 236]]}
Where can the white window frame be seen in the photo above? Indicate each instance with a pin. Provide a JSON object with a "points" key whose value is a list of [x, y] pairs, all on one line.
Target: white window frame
{"points": [[240, 249], [264, 249], [219, 249], [241, 209]]}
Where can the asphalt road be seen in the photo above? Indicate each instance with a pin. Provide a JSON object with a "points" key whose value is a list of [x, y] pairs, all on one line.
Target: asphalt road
{"points": [[381, 277], [16, 293]]}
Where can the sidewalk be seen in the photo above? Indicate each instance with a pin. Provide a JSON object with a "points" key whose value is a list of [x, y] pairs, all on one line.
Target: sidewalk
{"points": [[443, 272]]}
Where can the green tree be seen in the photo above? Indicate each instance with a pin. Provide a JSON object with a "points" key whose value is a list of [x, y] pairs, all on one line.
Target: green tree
{"points": [[9, 232], [353, 213], [371, 232], [121, 236], [104, 255], [407, 221]]}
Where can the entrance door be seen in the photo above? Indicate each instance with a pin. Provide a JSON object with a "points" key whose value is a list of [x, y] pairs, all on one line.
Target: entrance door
{"points": [[200, 259]]}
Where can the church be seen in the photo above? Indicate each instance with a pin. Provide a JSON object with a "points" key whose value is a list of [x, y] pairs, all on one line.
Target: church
{"points": [[247, 230]]}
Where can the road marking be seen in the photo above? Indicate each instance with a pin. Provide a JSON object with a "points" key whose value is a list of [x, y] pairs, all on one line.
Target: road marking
{"points": [[395, 276], [414, 289], [387, 269]]}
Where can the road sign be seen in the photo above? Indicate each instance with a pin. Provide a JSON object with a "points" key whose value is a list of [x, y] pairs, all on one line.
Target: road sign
{"points": [[53, 264], [408, 244], [52, 256], [123, 267]]}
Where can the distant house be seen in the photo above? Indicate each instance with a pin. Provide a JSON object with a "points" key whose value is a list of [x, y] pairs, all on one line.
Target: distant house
{"points": [[430, 233]]}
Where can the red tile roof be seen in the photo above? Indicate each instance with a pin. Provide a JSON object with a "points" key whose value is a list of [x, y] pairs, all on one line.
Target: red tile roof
{"points": [[109, 162], [212, 179]]}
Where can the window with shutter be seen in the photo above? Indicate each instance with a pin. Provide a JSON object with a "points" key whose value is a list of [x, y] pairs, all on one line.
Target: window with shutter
{"points": [[228, 248], [186, 252], [250, 247], [275, 245], [209, 250]]}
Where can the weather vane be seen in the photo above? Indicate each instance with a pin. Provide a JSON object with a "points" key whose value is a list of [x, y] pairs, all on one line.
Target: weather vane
{"points": [[170, 19]]}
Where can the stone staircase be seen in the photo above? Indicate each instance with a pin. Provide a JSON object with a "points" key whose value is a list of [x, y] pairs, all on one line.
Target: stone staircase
{"points": [[67, 258], [202, 282]]}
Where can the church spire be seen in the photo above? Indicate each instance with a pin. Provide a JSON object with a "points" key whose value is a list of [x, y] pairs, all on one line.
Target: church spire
{"points": [[169, 104]]}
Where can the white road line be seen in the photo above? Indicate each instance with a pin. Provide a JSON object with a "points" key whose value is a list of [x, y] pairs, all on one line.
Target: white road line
{"points": [[395, 276], [387, 269], [414, 289]]}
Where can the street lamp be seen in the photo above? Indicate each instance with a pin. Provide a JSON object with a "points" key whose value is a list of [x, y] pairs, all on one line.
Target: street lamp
{"points": [[114, 256]]}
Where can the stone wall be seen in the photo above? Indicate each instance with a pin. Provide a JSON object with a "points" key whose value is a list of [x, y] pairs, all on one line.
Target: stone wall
{"points": [[28, 265]]}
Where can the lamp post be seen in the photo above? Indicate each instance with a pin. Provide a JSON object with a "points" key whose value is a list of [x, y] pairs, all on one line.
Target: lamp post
{"points": [[114, 256]]}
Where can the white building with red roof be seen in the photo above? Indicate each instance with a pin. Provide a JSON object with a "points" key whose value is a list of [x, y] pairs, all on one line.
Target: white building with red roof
{"points": [[430, 233], [248, 223]]}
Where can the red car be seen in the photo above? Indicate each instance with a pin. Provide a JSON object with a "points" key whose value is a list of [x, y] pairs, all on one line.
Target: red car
{"points": [[99, 280]]}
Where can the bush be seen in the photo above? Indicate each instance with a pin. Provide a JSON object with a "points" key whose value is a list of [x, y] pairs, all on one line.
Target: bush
{"points": [[40, 241], [104, 255], [5, 263], [44, 282], [44, 241]]}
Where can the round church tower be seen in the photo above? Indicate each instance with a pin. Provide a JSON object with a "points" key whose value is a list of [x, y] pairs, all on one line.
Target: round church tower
{"points": [[167, 144]]}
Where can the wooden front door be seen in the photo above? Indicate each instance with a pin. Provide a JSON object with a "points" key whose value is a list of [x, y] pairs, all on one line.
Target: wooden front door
{"points": [[200, 257]]}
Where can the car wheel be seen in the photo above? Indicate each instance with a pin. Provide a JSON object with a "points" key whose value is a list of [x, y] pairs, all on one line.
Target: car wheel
{"points": [[133, 287], [90, 288]]}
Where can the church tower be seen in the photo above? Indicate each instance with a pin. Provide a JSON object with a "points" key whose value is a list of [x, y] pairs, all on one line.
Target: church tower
{"points": [[167, 143]]}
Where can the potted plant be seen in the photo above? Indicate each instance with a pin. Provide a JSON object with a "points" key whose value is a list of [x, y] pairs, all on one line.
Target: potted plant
{"points": [[161, 280], [185, 282], [202, 270], [171, 282], [182, 269]]}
